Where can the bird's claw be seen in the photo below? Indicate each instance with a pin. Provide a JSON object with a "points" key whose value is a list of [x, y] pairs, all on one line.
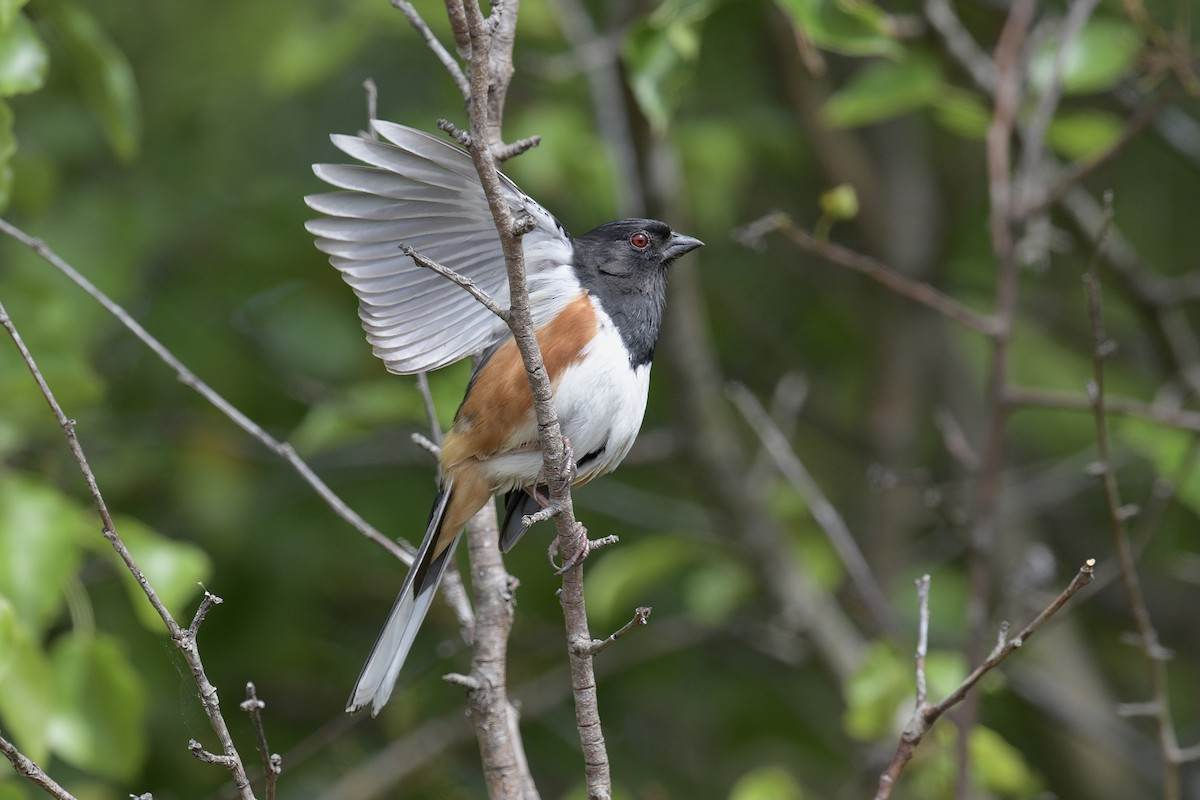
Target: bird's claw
{"points": [[579, 550]]}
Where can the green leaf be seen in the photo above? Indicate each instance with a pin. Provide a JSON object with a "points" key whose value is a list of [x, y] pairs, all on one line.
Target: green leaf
{"points": [[660, 53], [23, 58], [1083, 134], [105, 77], [175, 569], [875, 692], [770, 782], [713, 591], [852, 28], [1103, 52], [26, 695], [999, 767], [963, 113], [40, 536], [99, 707], [883, 90]]}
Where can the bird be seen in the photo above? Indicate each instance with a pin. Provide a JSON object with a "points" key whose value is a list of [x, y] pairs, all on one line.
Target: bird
{"points": [[596, 301]]}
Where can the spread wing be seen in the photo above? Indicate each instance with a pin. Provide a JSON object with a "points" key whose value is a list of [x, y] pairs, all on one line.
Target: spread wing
{"points": [[415, 189]]}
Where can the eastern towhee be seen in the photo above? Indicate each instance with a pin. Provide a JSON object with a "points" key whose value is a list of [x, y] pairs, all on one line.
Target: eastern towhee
{"points": [[597, 304]]}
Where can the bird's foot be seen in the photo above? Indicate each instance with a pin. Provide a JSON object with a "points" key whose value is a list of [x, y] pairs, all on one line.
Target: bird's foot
{"points": [[574, 550]]}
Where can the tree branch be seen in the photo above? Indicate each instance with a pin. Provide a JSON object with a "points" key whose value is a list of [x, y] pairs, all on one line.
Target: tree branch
{"points": [[189, 379], [1156, 657], [823, 511], [26, 768], [752, 235], [925, 715], [183, 638]]}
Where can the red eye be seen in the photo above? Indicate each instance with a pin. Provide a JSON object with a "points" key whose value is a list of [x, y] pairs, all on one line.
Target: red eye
{"points": [[640, 240]]}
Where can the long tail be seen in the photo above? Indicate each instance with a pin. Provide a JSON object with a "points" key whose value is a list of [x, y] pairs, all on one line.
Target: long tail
{"points": [[378, 677]]}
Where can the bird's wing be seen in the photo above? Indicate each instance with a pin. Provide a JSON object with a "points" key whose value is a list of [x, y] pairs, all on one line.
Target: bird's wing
{"points": [[418, 190]]}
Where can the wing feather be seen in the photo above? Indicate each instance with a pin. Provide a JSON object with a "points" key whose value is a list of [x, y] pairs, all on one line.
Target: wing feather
{"points": [[415, 189]]}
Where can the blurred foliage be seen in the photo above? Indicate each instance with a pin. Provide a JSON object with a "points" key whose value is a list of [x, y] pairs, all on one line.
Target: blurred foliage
{"points": [[163, 149]]}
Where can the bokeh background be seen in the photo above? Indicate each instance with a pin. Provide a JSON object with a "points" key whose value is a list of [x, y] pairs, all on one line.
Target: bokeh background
{"points": [[164, 148]]}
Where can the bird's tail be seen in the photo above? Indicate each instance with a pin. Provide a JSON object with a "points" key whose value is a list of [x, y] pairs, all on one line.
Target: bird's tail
{"points": [[378, 677]]}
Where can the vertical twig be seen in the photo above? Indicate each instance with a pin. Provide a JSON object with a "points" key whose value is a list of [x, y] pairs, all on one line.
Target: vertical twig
{"points": [[990, 479], [272, 762], [1158, 708]]}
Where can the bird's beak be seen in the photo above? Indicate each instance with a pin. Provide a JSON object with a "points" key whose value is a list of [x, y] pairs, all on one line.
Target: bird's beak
{"points": [[680, 244]]}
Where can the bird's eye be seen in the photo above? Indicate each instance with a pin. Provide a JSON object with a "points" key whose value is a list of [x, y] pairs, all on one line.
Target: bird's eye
{"points": [[640, 240]]}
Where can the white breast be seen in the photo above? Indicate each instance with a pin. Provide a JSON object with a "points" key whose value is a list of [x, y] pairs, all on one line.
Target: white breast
{"points": [[600, 402]]}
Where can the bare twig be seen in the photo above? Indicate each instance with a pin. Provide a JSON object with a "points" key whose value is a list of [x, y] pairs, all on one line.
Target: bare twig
{"points": [[490, 41], [272, 762], [188, 378], [1121, 406], [609, 109], [900, 284], [641, 616], [466, 283], [924, 714], [960, 44], [1038, 123], [1156, 656], [183, 638], [922, 584], [443, 55], [983, 528], [26, 768], [1078, 171], [823, 511]]}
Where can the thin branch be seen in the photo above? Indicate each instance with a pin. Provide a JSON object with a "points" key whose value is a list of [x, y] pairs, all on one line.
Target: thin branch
{"points": [[925, 715], [443, 55], [272, 762], [26, 768], [752, 235], [609, 108], [960, 44], [990, 478], [1076, 172], [922, 638], [183, 638], [823, 511], [1156, 658], [188, 378], [466, 283], [1180, 418], [1038, 123], [641, 616], [435, 427], [491, 69]]}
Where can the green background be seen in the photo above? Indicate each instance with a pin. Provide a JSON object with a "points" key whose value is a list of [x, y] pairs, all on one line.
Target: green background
{"points": [[164, 149]]}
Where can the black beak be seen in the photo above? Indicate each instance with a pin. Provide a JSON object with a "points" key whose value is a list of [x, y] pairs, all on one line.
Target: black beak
{"points": [[680, 244]]}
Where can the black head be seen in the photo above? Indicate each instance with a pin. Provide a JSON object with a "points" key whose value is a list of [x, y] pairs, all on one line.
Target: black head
{"points": [[624, 265], [631, 250]]}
